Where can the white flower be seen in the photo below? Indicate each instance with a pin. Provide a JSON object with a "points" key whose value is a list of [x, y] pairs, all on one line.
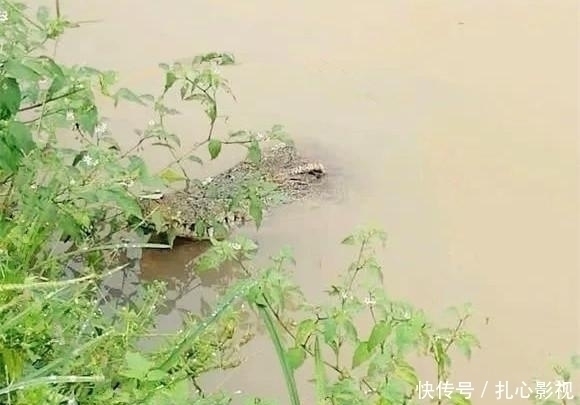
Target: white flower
{"points": [[152, 123], [260, 136], [70, 116], [207, 181], [370, 301], [101, 129], [235, 246], [89, 161], [3, 15]]}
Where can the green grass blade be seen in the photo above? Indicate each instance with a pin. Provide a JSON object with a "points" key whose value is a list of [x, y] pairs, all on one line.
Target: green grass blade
{"points": [[286, 369], [320, 374], [239, 290], [50, 380]]}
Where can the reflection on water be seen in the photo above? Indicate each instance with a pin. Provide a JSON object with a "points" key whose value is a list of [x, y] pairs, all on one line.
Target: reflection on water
{"points": [[453, 122]]}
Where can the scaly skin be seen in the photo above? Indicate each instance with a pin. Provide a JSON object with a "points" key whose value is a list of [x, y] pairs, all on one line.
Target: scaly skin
{"points": [[288, 178]]}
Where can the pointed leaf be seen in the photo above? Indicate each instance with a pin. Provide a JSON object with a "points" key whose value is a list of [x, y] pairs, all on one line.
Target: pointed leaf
{"points": [[10, 98], [256, 211], [170, 79], [214, 146], [378, 335], [137, 366], [361, 354]]}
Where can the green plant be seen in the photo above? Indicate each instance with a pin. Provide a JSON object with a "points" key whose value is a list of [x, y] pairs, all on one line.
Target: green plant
{"points": [[364, 369], [67, 215]]}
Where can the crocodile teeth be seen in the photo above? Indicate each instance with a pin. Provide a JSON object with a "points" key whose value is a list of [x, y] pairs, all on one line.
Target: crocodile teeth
{"points": [[315, 169]]}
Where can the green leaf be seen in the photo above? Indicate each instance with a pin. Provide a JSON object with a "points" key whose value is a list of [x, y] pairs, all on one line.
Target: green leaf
{"points": [[106, 80], [378, 335], [21, 136], [184, 90], [254, 152], [295, 357], [128, 95], [406, 373], [171, 176], [349, 240], [137, 366], [214, 146], [466, 342], [156, 375], [170, 80], [10, 98], [126, 203], [361, 354], [304, 330], [458, 399], [256, 210], [195, 159], [43, 14], [329, 328], [87, 118], [220, 231], [157, 219], [177, 393], [20, 71], [350, 331]]}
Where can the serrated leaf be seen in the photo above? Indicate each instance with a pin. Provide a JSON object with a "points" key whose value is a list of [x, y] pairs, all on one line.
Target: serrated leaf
{"points": [[156, 375], [126, 94], [361, 354], [20, 71], [157, 219], [295, 357], [21, 136], [87, 118], [127, 204], [378, 335], [329, 330], [256, 210], [10, 97], [214, 146], [466, 342], [254, 152], [304, 330], [136, 366]]}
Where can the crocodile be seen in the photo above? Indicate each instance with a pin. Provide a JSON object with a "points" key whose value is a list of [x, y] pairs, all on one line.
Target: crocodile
{"points": [[212, 208]]}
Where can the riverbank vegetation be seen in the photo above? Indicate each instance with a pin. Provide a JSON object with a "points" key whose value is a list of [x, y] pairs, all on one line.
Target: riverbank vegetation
{"points": [[68, 217]]}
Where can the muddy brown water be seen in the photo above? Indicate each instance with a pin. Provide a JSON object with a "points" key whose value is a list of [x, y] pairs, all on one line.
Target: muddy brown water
{"points": [[450, 124]]}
